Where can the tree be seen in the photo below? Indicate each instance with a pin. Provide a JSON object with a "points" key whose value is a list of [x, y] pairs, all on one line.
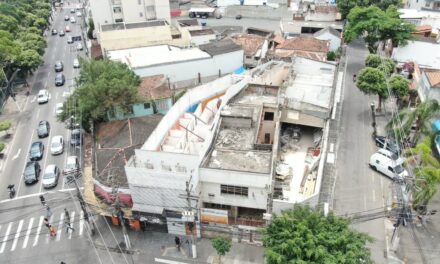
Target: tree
{"points": [[304, 235], [2, 146], [373, 60], [386, 65], [425, 187], [221, 246], [420, 117], [9, 49], [29, 60], [374, 25], [399, 86], [345, 6], [91, 29], [102, 85], [422, 155], [372, 81], [5, 126]]}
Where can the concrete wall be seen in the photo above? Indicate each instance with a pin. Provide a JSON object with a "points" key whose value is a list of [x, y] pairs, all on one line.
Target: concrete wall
{"points": [[163, 9], [203, 39], [415, 4], [335, 42], [211, 179], [426, 91], [101, 12], [190, 70], [162, 106], [263, 12]]}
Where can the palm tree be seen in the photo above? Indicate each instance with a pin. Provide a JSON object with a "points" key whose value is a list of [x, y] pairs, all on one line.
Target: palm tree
{"points": [[426, 186], [422, 155], [421, 117]]}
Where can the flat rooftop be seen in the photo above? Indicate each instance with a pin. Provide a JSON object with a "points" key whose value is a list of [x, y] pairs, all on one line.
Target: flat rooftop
{"points": [[154, 55], [124, 26]]}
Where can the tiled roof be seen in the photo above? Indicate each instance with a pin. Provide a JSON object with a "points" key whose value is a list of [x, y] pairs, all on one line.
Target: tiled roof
{"points": [[423, 28], [249, 43], [305, 44], [154, 87], [279, 39], [304, 54], [434, 78]]}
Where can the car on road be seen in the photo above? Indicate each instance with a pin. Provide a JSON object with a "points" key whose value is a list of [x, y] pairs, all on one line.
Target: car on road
{"points": [[76, 137], [72, 20], [72, 164], [57, 145], [238, 17], [387, 166], [31, 172], [79, 46], [59, 108], [67, 29], [66, 18], [58, 66], [78, 14], [51, 176], [69, 40], [43, 129], [37, 150], [72, 10], [387, 143], [54, 31], [62, 33], [75, 63], [43, 96], [60, 79]]}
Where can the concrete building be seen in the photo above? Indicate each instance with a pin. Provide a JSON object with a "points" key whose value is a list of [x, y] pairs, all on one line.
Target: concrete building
{"points": [[202, 36], [423, 51], [331, 35], [422, 18], [429, 86], [106, 12], [295, 28], [307, 47], [428, 5], [183, 67], [255, 48]]}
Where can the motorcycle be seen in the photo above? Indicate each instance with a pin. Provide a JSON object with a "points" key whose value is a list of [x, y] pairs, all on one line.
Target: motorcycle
{"points": [[11, 191]]}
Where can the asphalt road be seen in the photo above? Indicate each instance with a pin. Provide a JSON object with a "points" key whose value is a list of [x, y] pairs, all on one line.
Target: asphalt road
{"points": [[26, 133], [358, 189]]}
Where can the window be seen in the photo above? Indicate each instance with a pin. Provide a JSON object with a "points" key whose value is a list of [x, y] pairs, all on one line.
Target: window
{"points": [[117, 9], [268, 116], [141, 14], [119, 20], [235, 190], [147, 105], [161, 105]]}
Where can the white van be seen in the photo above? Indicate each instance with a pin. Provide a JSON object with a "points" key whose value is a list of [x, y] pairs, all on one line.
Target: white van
{"points": [[387, 166], [391, 155]]}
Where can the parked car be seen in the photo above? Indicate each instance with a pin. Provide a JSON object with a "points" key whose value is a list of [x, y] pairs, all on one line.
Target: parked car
{"points": [[37, 150], [67, 29], [61, 34], [79, 46], [76, 137], [60, 79], [238, 17], [72, 20], [43, 129], [54, 31], [59, 108], [58, 66], [51, 176], [43, 96], [78, 14], [391, 155], [66, 18], [75, 63], [387, 143], [387, 166], [72, 10], [69, 39], [31, 172], [57, 145], [72, 164]]}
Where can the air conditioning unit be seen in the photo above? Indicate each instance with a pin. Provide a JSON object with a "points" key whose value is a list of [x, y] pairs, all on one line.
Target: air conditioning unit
{"points": [[211, 195]]}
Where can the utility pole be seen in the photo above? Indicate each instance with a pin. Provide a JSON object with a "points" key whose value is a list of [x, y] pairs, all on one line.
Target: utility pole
{"points": [[8, 85], [189, 216]]}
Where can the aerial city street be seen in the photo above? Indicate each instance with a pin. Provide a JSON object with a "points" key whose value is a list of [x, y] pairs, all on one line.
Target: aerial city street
{"points": [[220, 131]]}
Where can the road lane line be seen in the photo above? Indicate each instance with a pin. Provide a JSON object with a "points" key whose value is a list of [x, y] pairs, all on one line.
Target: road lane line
{"points": [[72, 218], [27, 156], [60, 226], [45, 159], [17, 235], [6, 237], [28, 232], [81, 222], [38, 194], [38, 113], [17, 155], [40, 224]]}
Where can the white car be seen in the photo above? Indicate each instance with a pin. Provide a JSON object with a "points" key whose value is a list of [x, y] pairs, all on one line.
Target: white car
{"points": [[50, 176], [78, 14], [75, 63], [72, 20], [57, 145], [72, 164], [79, 46], [59, 108], [43, 96]]}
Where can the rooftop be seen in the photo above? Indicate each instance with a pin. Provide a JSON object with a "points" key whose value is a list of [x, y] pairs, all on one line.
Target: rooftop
{"points": [[116, 143], [154, 87], [305, 44], [433, 78], [220, 47], [154, 55], [426, 54], [201, 32], [330, 30], [295, 26], [124, 26], [188, 22], [249, 42]]}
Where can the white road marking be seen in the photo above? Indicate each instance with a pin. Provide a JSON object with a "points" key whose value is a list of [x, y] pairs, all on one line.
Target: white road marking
{"points": [[45, 159], [60, 226], [17, 155], [28, 232], [38, 113], [66, 94], [27, 154], [5, 238], [72, 218], [38, 231], [56, 96], [81, 222], [38, 194], [168, 261], [33, 99], [17, 234]]}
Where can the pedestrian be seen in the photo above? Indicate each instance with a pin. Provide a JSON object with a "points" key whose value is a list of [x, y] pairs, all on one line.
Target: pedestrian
{"points": [[68, 226], [53, 231], [46, 222], [177, 241], [43, 201], [49, 212], [354, 77], [66, 213]]}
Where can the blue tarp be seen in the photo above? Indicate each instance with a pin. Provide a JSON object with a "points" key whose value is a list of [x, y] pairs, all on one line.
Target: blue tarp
{"points": [[192, 108], [436, 126], [240, 70]]}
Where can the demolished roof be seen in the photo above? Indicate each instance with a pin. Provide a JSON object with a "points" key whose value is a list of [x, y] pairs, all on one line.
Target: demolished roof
{"points": [[220, 47], [154, 87], [433, 78], [249, 42], [305, 44]]}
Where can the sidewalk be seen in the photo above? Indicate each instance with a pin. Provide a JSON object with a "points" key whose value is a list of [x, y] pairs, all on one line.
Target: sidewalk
{"points": [[152, 247]]}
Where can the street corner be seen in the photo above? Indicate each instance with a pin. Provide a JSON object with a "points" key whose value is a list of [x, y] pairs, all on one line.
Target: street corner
{"points": [[174, 252]]}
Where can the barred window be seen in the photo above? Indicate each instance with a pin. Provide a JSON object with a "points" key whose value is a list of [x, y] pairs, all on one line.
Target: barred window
{"points": [[236, 190]]}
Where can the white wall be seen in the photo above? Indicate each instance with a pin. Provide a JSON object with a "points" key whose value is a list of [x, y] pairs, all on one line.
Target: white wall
{"points": [[163, 9], [416, 4], [335, 42], [101, 12], [258, 184], [203, 39], [188, 70], [132, 9], [426, 92]]}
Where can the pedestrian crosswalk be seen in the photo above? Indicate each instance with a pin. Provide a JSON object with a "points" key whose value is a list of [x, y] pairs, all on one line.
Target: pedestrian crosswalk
{"points": [[31, 232]]}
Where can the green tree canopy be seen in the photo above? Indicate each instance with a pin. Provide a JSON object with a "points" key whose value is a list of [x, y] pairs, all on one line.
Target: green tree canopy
{"points": [[221, 246], [399, 86], [102, 85], [304, 235], [28, 60], [374, 25], [345, 6], [372, 81], [5, 125]]}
